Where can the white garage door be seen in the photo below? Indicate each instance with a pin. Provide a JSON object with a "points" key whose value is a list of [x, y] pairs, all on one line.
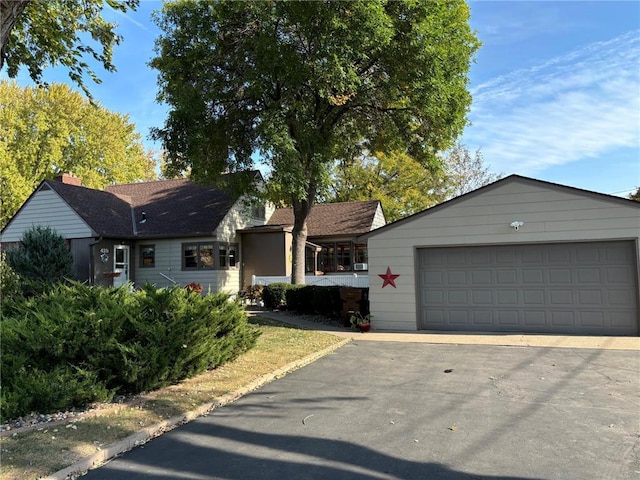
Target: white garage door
{"points": [[584, 288]]}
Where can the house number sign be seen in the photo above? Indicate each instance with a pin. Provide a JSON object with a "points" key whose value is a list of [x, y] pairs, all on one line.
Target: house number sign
{"points": [[104, 255]]}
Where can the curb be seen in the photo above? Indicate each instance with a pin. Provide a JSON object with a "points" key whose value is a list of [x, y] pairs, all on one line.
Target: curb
{"points": [[143, 436]]}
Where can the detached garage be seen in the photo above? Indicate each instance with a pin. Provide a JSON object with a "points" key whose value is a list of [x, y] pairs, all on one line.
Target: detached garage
{"points": [[519, 255]]}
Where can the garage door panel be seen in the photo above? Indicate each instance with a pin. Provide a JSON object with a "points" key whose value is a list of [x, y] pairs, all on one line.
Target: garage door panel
{"points": [[622, 320], [482, 317], [508, 317], [482, 297], [535, 318], [587, 288], [588, 275], [506, 277], [561, 297], [560, 276], [533, 276], [533, 297], [456, 277], [481, 277], [560, 318], [619, 275]]}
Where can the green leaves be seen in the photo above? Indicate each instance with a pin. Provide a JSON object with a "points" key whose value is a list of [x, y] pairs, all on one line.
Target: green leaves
{"points": [[47, 130], [302, 82], [42, 256], [76, 344], [54, 32], [305, 83]]}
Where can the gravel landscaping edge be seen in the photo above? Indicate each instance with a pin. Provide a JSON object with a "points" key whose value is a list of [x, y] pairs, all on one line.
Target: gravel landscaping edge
{"points": [[143, 436]]}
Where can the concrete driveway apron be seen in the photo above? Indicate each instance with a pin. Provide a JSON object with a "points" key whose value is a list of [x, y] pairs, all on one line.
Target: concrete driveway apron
{"points": [[389, 410]]}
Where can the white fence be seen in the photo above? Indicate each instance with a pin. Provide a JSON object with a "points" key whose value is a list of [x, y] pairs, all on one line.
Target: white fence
{"points": [[354, 280]]}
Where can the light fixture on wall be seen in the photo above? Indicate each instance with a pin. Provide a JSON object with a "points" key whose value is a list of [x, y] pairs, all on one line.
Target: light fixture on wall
{"points": [[516, 225], [144, 218]]}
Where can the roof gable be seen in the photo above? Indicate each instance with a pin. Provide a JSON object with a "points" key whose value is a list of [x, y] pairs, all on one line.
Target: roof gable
{"points": [[106, 214], [166, 208], [511, 179], [333, 219]]}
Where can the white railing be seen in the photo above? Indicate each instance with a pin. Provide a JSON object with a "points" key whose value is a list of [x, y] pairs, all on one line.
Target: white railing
{"points": [[358, 280]]}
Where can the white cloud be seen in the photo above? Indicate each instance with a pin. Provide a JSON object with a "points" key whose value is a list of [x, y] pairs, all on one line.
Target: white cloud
{"points": [[576, 106]]}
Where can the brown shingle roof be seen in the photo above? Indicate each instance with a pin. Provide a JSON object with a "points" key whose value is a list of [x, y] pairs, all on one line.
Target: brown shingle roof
{"points": [[333, 219], [175, 207], [172, 208]]}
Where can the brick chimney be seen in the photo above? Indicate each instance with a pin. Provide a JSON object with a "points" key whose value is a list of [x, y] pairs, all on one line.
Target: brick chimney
{"points": [[69, 179]]}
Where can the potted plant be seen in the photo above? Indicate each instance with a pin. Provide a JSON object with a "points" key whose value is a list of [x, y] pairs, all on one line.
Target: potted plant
{"points": [[194, 287], [361, 323]]}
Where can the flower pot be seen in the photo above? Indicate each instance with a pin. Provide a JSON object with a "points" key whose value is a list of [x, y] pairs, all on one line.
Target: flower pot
{"points": [[364, 327]]}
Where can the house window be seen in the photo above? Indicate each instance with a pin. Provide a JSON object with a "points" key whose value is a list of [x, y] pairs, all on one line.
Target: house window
{"points": [[309, 260], [326, 258], [147, 256], [339, 257], [343, 257], [228, 255], [360, 253], [197, 256]]}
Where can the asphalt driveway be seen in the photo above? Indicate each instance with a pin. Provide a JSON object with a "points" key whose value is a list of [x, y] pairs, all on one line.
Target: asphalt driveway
{"points": [[384, 410]]}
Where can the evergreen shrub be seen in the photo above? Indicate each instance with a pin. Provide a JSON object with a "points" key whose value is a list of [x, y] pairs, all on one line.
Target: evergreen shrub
{"points": [[42, 256], [274, 294], [77, 344]]}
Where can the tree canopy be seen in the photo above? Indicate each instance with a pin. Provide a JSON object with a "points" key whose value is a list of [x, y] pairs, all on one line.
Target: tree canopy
{"points": [[38, 34], [403, 185], [44, 131], [635, 195], [306, 83]]}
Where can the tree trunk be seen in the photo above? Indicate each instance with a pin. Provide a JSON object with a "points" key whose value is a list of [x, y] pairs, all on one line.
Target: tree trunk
{"points": [[10, 10], [301, 209]]}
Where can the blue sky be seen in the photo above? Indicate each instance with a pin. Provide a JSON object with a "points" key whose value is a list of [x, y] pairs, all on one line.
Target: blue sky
{"points": [[556, 88]]}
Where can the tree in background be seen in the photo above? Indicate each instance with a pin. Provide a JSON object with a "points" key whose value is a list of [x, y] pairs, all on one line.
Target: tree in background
{"points": [[44, 131], [635, 195], [303, 83], [38, 34], [403, 185], [466, 172]]}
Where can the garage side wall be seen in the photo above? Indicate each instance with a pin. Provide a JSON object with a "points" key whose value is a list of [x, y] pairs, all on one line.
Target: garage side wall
{"points": [[549, 215]]}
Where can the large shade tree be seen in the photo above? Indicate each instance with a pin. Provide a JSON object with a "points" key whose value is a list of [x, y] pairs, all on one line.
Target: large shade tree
{"points": [[44, 131], [44, 33], [304, 83]]}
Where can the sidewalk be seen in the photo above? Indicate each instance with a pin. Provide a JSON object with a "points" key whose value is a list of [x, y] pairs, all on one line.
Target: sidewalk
{"points": [[460, 338]]}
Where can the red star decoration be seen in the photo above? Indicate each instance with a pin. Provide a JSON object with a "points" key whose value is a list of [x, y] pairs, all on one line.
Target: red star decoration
{"points": [[388, 278]]}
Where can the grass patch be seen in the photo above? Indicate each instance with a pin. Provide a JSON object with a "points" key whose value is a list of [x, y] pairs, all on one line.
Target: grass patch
{"points": [[35, 454]]}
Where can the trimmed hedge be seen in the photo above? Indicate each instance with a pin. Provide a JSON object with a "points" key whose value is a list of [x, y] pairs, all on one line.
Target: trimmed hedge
{"points": [[313, 299], [306, 299], [274, 294], [78, 344]]}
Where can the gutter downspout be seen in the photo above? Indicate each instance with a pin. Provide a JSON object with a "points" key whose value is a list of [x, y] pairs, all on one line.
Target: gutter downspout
{"points": [[92, 269]]}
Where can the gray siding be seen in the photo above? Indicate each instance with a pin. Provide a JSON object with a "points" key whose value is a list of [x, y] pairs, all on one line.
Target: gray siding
{"points": [[169, 257], [550, 215], [46, 208]]}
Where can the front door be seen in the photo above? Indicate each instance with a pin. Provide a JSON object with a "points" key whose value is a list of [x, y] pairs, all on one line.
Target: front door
{"points": [[121, 264]]}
